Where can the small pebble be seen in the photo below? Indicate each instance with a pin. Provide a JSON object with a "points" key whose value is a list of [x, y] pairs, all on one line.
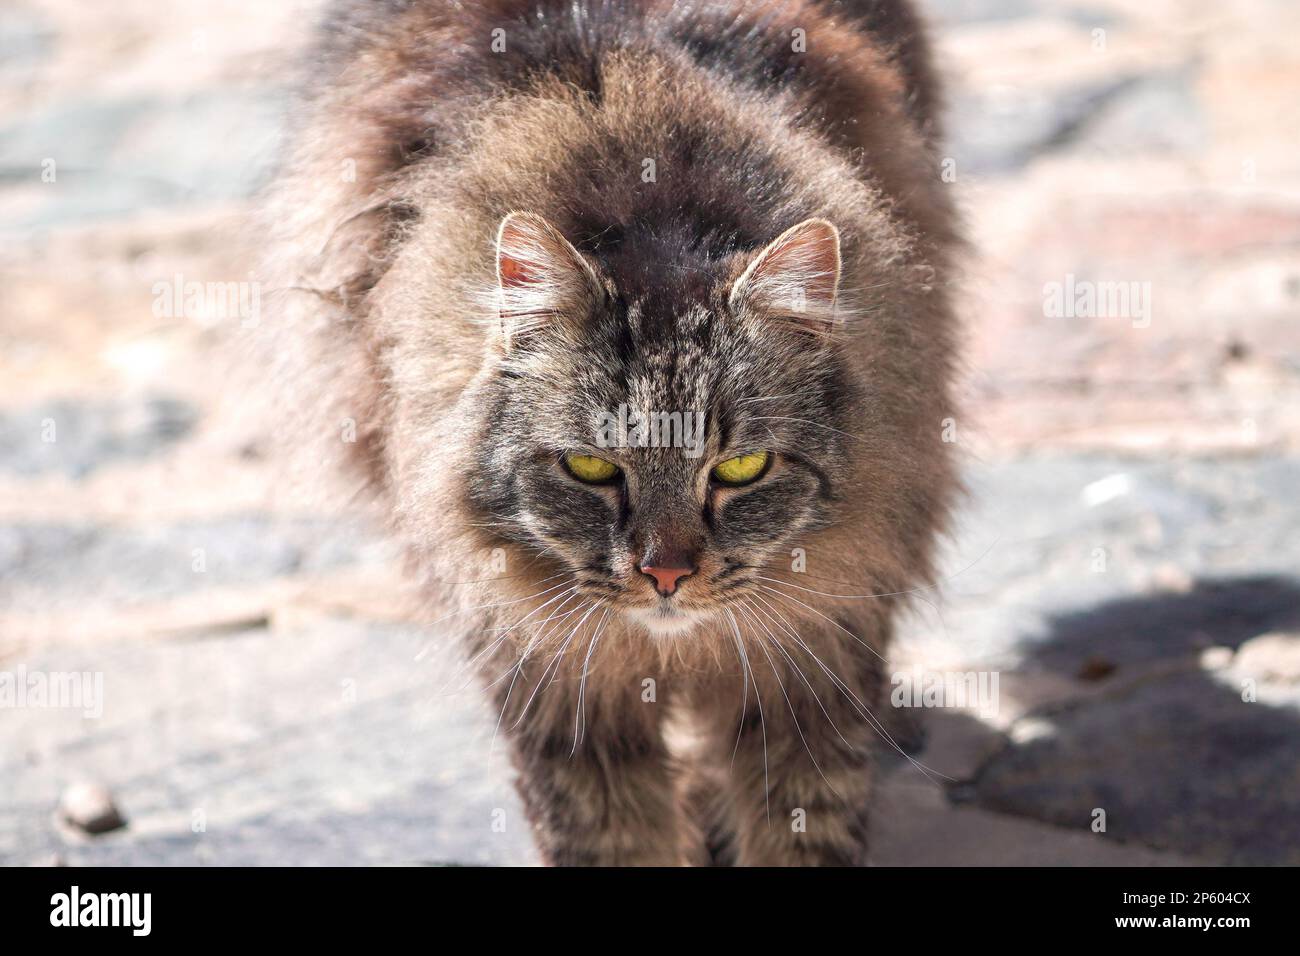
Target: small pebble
{"points": [[1216, 658], [1096, 668], [1272, 657], [1170, 577], [89, 807], [1029, 729]]}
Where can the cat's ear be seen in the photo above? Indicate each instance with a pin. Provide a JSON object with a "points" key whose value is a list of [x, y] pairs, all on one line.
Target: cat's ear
{"points": [[795, 279], [541, 277]]}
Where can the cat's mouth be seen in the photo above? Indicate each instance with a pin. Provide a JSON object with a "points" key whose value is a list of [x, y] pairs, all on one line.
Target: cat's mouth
{"points": [[666, 619]]}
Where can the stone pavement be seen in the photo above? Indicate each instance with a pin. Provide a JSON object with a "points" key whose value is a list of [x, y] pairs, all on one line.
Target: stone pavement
{"points": [[1126, 563]]}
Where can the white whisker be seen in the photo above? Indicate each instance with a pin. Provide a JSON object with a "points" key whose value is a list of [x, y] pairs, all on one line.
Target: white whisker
{"points": [[862, 709], [555, 661], [798, 670], [781, 684], [557, 616], [762, 721], [581, 714], [803, 421], [791, 597], [518, 669]]}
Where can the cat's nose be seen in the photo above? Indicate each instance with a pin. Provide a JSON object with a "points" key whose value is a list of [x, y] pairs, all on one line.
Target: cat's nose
{"points": [[666, 577]]}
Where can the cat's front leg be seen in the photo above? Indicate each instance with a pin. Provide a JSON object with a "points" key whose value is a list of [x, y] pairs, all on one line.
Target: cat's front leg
{"points": [[597, 787], [799, 764]]}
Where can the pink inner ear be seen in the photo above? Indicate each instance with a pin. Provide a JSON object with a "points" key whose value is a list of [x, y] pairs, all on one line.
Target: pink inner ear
{"points": [[808, 257], [541, 276], [513, 271], [825, 259], [522, 248], [797, 276]]}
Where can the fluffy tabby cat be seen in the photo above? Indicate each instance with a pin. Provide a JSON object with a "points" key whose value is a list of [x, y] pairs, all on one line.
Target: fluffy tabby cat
{"points": [[504, 220]]}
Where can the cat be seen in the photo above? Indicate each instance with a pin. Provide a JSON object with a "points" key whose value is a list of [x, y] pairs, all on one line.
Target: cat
{"points": [[503, 225]]}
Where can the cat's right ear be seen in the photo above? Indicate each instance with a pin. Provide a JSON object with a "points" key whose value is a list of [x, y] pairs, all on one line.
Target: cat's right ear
{"points": [[541, 277]]}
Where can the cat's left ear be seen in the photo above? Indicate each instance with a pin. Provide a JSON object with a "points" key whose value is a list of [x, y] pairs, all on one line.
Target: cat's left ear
{"points": [[795, 279], [541, 278]]}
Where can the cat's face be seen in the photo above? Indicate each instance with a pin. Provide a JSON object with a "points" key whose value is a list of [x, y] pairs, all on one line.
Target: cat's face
{"points": [[666, 449]]}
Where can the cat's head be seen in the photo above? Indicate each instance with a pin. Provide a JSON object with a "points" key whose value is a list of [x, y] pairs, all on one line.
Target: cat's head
{"points": [[663, 445]]}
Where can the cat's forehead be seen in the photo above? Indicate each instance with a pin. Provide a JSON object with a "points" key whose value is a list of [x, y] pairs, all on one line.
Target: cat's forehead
{"points": [[668, 360]]}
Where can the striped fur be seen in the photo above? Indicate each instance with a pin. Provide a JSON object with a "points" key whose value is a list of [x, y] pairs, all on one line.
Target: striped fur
{"points": [[687, 289]]}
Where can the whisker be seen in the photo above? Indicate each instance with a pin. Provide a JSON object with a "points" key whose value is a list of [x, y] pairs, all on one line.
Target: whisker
{"points": [[772, 398], [581, 712], [486, 607], [798, 670], [423, 652], [566, 596], [927, 587], [803, 421], [505, 703], [555, 661], [563, 594], [863, 710], [518, 669], [791, 584], [744, 699], [762, 720], [916, 591], [781, 684], [791, 597], [539, 638]]}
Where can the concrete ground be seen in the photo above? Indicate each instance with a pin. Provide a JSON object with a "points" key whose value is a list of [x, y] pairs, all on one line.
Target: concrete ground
{"points": [[1126, 563]]}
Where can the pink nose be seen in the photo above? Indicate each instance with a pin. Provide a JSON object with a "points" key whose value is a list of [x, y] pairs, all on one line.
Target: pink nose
{"points": [[666, 578]]}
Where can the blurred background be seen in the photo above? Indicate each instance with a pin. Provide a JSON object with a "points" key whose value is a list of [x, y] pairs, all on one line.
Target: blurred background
{"points": [[1128, 562]]}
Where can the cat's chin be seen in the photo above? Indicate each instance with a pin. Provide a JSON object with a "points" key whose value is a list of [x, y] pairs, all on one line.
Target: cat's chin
{"points": [[664, 620]]}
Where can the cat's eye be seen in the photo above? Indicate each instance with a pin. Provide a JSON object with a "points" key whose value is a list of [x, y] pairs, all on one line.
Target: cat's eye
{"points": [[742, 469], [590, 469]]}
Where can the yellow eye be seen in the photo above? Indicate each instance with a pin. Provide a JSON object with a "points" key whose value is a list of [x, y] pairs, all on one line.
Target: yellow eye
{"points": [[590, 468], [742, 469]]}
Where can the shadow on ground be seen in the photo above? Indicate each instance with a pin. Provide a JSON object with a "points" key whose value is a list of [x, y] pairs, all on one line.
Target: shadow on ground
{"points": [[1184, 732]]}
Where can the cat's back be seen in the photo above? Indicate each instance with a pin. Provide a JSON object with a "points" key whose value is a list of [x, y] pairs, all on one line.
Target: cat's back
{"points": [[403, 86], [835, 57]]}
